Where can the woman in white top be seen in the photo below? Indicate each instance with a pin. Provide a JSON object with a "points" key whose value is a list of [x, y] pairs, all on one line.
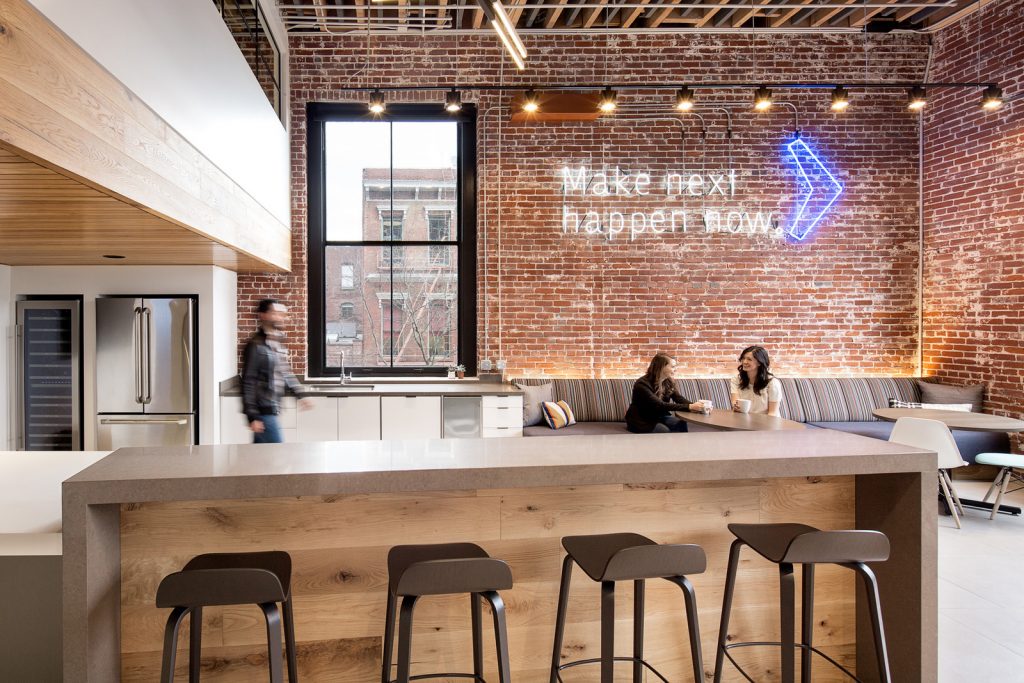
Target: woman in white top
{"points": [[755, 383]]}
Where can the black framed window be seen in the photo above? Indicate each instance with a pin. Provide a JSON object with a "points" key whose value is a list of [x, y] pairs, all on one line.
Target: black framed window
{"points": [[392, 239]]}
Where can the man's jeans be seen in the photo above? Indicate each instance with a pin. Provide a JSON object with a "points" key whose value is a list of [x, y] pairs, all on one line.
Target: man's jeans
{"points": [[271, 430]]}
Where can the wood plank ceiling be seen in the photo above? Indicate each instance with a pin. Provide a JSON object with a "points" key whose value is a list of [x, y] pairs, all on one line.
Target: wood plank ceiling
{"points": [[385, 16]]}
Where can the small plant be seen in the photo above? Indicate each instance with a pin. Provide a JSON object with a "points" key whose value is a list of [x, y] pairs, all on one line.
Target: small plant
{"points": [[460, 370]]}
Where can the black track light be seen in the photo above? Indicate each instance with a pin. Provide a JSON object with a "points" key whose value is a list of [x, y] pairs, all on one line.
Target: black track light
{"points": [[992, 98], [376, 102], [684, 99], [917, 97], [530, 103], [840, 98], [609, 100], [762, 99], [453, 102]]}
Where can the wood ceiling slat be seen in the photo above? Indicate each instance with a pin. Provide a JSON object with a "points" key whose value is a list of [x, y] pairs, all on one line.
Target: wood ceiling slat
{"points": [[788, 14], [710, 14], [634, 14], [825, 16], [553, 14], [660, 16], [744, 16]]}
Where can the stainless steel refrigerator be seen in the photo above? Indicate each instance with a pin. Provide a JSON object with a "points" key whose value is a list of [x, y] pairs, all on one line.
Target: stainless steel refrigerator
{"points": [[145, 372]]}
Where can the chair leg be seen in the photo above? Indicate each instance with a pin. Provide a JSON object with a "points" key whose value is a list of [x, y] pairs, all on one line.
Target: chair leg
{"points": [[952, 491], [272, 615], [389, 640], [607, 631], [692, 626], [787, 603], [949, 499], [500, 635], [171, 643], [478, 638], [807, 623], [563, 603], [289, 642], [875, 611], [405, 638], [1002, 492], [195, 644], [723, 626], [638, 631], [995, 485]]}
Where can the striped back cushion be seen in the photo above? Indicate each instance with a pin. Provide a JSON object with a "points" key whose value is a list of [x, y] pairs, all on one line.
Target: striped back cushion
{"points": [[846, 400], [711, 389], [791, 408], [592, 400]]}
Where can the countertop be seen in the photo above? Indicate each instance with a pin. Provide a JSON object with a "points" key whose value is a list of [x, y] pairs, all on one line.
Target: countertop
{"points": [[438, 387], [340, 467]]}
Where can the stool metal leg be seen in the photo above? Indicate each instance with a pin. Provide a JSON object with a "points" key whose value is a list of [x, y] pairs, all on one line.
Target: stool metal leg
{"points": [[478, 644], [787, 603], [389, 639], [723, 627], [171, 643], [807, 623], [690, 598], [607, 631], [195, 644], [875, 611], [289, 641], [500, 636], [405, 637], [638, 631], [563, 603], [272, 615], [1002, 492]]}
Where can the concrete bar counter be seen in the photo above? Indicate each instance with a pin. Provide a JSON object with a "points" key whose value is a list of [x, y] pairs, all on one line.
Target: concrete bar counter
{"points": [[336, 507]]}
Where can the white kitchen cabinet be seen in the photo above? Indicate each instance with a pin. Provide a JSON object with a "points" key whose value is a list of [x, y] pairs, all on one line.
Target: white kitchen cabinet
{"points": [[358, 418], [502, 416], [410, 417], [319, 422], [233, 426]]}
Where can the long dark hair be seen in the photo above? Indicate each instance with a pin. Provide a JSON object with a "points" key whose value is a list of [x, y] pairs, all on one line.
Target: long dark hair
{"points": [[764, 374], [666, 388]]}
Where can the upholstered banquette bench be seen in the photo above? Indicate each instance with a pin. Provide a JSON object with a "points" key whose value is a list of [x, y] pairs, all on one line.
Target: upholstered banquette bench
{"points": [[599, 405]]}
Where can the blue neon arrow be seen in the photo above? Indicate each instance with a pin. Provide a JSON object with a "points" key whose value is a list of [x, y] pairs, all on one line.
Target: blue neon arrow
{"points": [[820, 189]]}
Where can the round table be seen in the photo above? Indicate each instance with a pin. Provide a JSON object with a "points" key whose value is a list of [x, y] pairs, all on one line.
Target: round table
{"points": [[728, 420], [954, 419]]}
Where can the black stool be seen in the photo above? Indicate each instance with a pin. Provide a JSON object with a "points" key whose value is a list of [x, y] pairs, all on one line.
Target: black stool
{"points": [[229, 579], [789, 544], [627, 557], [444, 569]]}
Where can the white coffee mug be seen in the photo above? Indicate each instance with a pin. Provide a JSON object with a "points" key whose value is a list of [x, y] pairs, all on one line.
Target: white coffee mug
{"points": [[708, 406], [743, 404]]}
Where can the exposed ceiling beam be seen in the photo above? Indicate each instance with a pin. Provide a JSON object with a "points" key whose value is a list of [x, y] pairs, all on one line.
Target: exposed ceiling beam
{"points": [[788, 14], [956, 14], [553, 14], [826, 15], [710, 14], [660, 16], [746, 15], [595, 14], [861, 19], [633, 14]]}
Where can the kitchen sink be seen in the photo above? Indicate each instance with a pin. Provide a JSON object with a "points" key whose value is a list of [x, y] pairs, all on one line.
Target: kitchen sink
{"points": [[337, 388]]}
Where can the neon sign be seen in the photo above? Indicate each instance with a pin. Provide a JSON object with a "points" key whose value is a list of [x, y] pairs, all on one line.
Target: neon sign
{"points": [[820, 189]]}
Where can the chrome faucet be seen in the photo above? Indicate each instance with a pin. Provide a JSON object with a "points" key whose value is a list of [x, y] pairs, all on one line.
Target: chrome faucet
{"points": [[341, 377]]}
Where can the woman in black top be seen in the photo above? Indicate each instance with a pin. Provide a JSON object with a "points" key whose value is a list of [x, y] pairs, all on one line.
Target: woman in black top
{"points": [[654, 397]]}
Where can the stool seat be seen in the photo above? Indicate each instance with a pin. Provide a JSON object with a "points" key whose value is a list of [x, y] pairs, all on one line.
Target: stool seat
{"points": [[802, 544], [1000, 460], [632, 557], [213, 587], [445, 569]]}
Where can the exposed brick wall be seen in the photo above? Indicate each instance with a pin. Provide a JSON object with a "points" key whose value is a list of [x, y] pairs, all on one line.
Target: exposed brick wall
{"points": [[844, 301], [974, 210]]}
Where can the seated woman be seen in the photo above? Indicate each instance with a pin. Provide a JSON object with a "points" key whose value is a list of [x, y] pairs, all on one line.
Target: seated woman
{"points": [[654, 397], [755, 383]]}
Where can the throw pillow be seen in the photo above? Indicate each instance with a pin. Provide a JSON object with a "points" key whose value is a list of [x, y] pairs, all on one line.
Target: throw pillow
{"points": [[533, 396], [558, 415], [959, 407], [947, 393]]}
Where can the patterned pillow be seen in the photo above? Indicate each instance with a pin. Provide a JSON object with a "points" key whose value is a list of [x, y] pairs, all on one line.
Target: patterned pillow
{"points": [[959, 407], [558, 415]]}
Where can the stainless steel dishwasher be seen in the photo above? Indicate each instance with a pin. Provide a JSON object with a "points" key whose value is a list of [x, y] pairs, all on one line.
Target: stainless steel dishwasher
{"points": [[460, 417]]}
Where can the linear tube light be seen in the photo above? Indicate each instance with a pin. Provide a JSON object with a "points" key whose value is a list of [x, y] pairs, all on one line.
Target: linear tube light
{"points": [[509, 47], [499, 11], [502, 25]]}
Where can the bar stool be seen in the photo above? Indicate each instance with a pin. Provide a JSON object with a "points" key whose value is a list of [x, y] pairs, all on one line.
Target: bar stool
{"points": [[262, 578], [789, 544], [608, 558], [415, 571]]}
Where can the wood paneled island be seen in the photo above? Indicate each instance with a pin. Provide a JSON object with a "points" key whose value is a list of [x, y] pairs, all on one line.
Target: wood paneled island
{"points": [[337, 507]]}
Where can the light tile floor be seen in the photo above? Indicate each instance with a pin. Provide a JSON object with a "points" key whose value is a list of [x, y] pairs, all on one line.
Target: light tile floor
{"points": [[981, 594]]}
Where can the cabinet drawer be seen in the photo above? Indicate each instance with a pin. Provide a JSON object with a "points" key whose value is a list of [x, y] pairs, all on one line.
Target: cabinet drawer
{"points": [[502, 416], [410, 417], [503, 400], [501, 432]]}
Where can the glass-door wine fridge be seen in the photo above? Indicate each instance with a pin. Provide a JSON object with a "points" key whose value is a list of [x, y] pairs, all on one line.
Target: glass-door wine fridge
{"points": [[49, 375]]}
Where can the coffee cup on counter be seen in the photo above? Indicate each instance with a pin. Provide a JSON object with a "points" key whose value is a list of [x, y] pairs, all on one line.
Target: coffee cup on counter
{"points": [[743, 405]]}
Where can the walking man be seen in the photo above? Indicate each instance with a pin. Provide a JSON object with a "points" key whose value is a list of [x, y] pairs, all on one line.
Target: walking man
{"points": [[266, 374]]}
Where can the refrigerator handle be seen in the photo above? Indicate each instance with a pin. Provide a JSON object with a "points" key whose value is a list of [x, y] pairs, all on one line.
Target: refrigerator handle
{"points": [[137, 343], [20, 384], [149, 356]]}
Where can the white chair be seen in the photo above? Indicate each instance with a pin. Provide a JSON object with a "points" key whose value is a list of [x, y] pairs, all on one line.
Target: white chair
{"points": [[935, 436]]}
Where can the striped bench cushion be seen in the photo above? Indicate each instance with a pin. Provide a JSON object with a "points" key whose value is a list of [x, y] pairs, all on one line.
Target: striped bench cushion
{"points": [[851, 399]]}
